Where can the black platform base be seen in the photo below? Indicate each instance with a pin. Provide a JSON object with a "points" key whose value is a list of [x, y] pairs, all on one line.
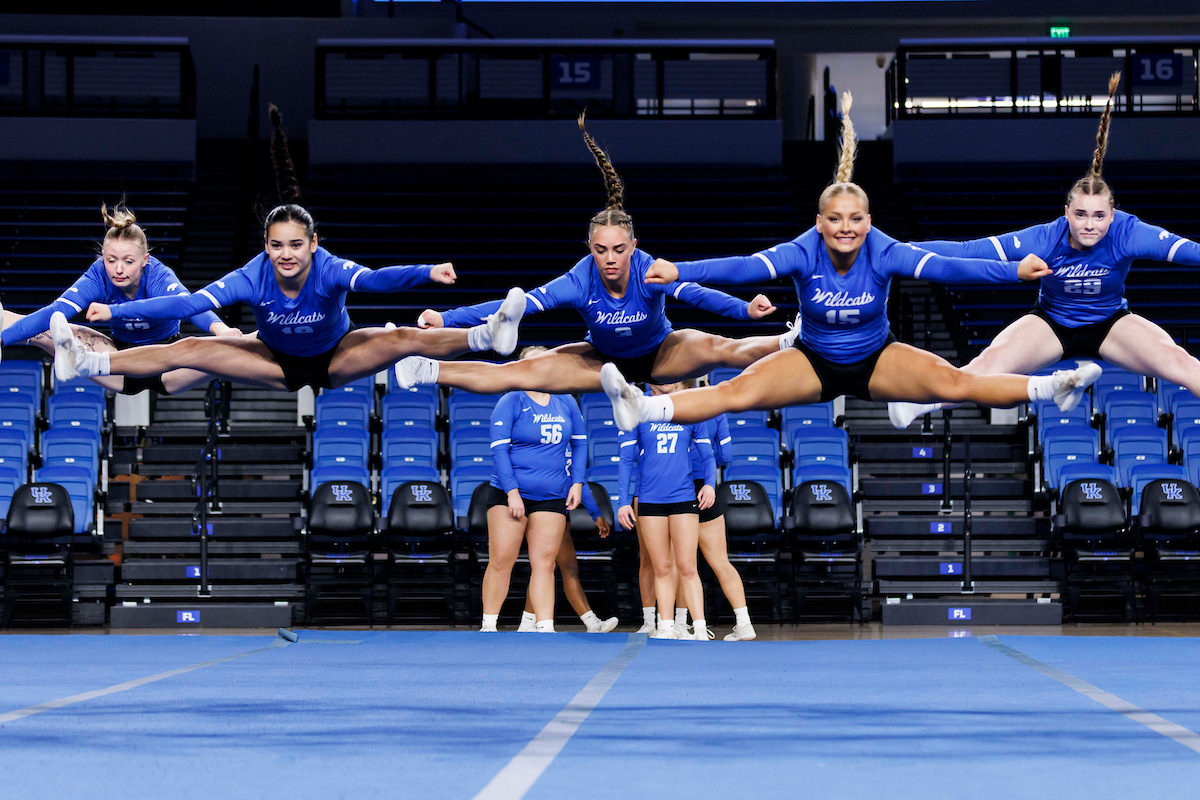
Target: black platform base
{"points": [[201, 615], [959, 611]]}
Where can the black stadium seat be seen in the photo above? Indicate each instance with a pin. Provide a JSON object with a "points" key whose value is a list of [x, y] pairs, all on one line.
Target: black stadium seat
{"points": [[37, 536], [826, 556], [341, 522], [1168, 526], [754, 541], [1094, 535], [419, 540]]}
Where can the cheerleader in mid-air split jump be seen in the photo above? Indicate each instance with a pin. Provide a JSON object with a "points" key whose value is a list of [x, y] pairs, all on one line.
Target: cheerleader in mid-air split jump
{"points": [[843, 270], [1081, 310]]}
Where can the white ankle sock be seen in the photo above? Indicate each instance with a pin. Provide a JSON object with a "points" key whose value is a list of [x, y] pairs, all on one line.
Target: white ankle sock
{"points": [[657, 409], [490, 620], [544, 626], [741, 615], [680, 617], [94, 363], [700, 629], [1041, 387], [648, 613], [528, 616], [590, 619], [479, 338]]}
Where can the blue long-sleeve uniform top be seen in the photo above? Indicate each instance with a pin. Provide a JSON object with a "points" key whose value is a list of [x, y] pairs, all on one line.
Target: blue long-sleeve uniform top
{"points": [[1087, 285], [665, 466], [717, 432], [158, 280], [307, 325], [531, 444], [845, 316], [623, 327], [588, 501]]}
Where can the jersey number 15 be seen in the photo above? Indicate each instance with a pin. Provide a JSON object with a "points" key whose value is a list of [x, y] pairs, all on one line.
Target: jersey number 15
{"points": [[844, 316]]}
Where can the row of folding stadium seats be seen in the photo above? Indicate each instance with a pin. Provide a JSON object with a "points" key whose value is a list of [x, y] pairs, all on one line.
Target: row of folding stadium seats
{"points": [[69, 449]]}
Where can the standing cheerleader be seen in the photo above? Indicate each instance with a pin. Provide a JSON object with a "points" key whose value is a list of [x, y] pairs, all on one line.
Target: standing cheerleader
{"points": [[297, 291], [668, 513], [1081, 310], [533, 435], [843, 269], [124, 273], [625, 317]]}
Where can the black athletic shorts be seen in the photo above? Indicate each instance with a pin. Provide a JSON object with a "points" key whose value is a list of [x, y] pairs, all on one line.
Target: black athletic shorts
{"points": [[300, 371], [839, 379], [497, 497], [635, 369], [712, 512], [1084, 341], [667, 509], [134, 385]]}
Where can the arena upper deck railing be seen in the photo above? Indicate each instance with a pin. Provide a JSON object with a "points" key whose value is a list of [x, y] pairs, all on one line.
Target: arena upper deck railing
{"points": [[942, 78], [544, 79], [93, 76]]}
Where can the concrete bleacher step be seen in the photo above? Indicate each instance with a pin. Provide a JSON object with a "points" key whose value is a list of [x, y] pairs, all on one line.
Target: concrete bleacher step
{"points": [[220, 570]]}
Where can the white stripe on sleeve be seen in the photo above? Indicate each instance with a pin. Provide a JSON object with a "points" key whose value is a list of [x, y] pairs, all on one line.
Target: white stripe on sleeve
{"points": [[679, 289], [499, 442], [354, 279], [999, 248], [921, 265], [629, 443], [579, 436], [770, 266], [703, 441], [206, 293], [78, 310], [1174, 249], [536, 302], [726, 440]]}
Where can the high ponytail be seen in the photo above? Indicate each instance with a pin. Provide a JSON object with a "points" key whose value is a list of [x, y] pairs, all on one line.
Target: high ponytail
{"points": [[847, 152], [614, 209], [122, 225], [1092, 183], [286, 181]]}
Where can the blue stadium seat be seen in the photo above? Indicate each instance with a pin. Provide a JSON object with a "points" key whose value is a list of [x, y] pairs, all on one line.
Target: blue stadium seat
{"points": [[596, 410], [471, 410], [364, 385], [1191, 460], [769, 477], [602, 446], [83, 409], [470, 446], [1114, 379], [21, 381], [1137, 445], [72, 447], [722, 374], [606, 476], [14, 449], [1186, 415], [754, 446], [1049, 417], [748, 419], [1128, 408], [1142, 475], [1185, 429], [462, 484], [416, 446], [341, 445], [79, 484], [404, 409], [392, 476], [822, 446], [432, 390], [1166, 390], [77, 386], [10, 479], [1068, 444], [807, 417], [823, 473], [343, 409], [1082, 471], [345, 473]]}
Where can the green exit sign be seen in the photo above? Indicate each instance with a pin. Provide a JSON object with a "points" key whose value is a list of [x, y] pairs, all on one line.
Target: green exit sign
{"points": [[1060, 31]]}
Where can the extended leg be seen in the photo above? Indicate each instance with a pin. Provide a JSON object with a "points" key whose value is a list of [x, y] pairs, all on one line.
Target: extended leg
{"points": [[690, 354], [1138, 345], [569, 368], [368, 350]]}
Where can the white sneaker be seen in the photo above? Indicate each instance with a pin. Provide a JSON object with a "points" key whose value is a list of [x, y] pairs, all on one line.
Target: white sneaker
{"points": [[499, 331], [66, 348], [416, 371], [625, 399], [488, 629], [741, 633], [1069, 385], [706, 635], [527, 625], [903, 414], [647, 627], [788, 340], [608, 626], [665, 632]]}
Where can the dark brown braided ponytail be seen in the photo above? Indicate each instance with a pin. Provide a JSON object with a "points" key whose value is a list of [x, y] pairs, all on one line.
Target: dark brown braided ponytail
{"points": [[285, 181], [614, 210], [1092, 183]]}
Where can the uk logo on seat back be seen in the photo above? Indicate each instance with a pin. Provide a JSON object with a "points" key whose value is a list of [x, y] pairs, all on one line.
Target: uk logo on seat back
{"points": [[342, 493], [822, 492], [422, 493], [1092, 491], [42, 495], [1171, 491], [741, 492]]}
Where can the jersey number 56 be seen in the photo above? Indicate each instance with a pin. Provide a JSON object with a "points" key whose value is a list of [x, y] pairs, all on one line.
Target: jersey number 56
{"points": [[551, 434]]}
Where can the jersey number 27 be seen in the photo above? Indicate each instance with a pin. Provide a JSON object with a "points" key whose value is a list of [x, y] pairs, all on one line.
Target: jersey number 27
{"points": [[667, 442]]}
